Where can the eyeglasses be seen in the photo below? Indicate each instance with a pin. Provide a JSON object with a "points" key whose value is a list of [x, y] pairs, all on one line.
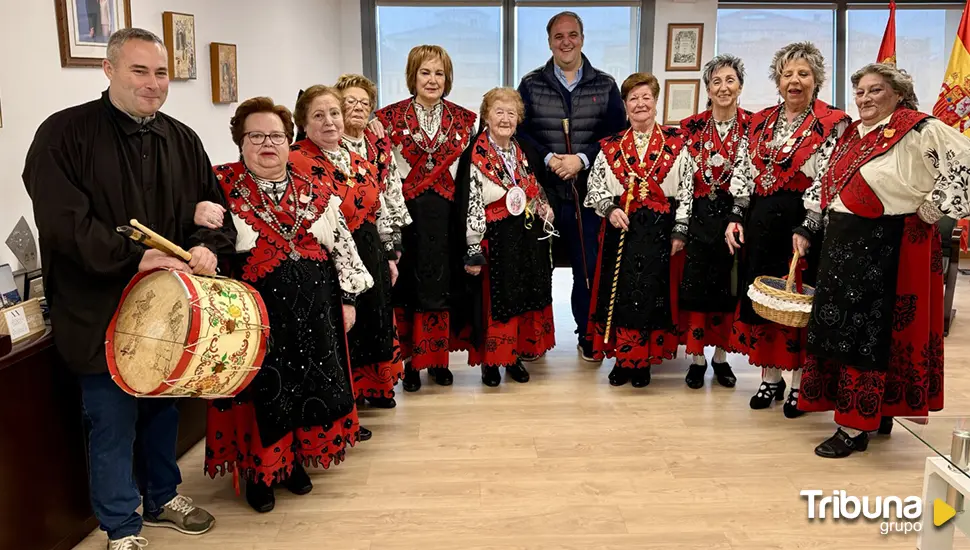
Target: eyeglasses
{"points": [[353, 102], [257, 138]]}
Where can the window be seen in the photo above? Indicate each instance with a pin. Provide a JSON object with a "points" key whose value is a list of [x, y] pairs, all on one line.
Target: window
{"points": [[611, 38], [471, 35], [755, 35], [924, 38]]}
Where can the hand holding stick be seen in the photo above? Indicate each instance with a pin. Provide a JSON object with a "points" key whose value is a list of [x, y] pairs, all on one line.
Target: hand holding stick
{"points": [[616, 270]]}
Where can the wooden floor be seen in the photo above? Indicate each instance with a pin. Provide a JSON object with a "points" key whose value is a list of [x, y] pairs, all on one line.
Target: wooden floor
{"points": [[569, 462]]}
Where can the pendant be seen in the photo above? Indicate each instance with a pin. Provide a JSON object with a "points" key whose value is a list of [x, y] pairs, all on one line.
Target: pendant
{"points": [[708, 145], [717, 160], [294, 255], [515, 201], [244, 208], [708, 173], [278, 208], [429, 164], [767, 181]]}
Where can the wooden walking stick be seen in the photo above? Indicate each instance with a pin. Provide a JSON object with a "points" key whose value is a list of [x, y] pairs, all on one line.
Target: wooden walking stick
{"points": [[619, 258]]}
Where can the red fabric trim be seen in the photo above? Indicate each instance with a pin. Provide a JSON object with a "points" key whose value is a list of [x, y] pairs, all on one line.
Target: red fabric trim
{"points": [[379, 154], [701, 329], [696, 134], [426, 338], [621, 155], [359, 192], [491, 165], [378, 380]]}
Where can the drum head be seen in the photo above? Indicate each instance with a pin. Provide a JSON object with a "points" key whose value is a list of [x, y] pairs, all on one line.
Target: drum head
{"points": [[152, 331]]}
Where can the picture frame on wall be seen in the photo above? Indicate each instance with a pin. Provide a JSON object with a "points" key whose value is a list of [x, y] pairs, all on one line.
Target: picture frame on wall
{"points": [[684, 44], [681, 99], [225, 74], [84, 26], [179, 31]]}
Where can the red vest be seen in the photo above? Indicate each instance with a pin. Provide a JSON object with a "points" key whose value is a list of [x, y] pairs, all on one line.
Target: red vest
{"points": [[641, 178]]}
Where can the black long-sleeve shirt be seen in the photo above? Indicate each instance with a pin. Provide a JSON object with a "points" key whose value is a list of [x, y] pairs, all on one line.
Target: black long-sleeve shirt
{"points": [[90, 169]]}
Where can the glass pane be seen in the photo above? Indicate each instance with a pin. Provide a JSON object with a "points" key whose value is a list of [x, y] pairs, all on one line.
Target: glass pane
{"points": [[755, 35], [922, 48], [471, 35], [946, 435], [611, 38]]}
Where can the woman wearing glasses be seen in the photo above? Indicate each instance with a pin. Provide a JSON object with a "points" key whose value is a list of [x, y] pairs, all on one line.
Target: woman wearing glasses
{"points": [[294, 247]]}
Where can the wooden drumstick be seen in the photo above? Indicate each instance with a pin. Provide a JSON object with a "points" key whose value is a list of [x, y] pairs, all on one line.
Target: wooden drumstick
{"points": [[144, 235]]}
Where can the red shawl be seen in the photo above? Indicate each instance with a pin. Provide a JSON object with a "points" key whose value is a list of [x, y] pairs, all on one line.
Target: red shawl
{"points": [[358, 191], [641, 179], [490, 163]]}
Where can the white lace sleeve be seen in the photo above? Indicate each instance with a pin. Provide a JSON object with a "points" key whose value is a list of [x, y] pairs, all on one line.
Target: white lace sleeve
{"points": [[475, 227], [946, 154], [599, 194], [384, 228], [394, 195], [742, 175], [685, 187], [353, 276]]}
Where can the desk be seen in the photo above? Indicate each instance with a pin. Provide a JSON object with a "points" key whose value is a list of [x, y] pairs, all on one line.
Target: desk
{"points": [[44, 503]]}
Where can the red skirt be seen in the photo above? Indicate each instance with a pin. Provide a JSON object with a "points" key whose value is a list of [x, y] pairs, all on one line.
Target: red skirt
{"points": [[701, 329], [233, 445], [426, 338], [632, 348], [378, 380], [913, 383], [531, 333], [769, 345]]}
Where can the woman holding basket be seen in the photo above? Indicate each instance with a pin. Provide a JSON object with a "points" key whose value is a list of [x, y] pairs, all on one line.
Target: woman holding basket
{"points": [[776, 209]]}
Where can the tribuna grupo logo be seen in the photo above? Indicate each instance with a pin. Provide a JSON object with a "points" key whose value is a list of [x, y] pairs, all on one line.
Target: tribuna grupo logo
{"points": [[896, 514]]}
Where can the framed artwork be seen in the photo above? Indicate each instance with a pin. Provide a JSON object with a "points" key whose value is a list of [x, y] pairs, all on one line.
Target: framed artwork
{"points": [[84, 26], [225, 77], [681, 99], [684, 44], [179, 29]]}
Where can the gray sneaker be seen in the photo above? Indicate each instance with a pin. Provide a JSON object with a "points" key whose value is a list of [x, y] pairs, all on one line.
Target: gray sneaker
{"points": [[180, 514], [127, 543]]}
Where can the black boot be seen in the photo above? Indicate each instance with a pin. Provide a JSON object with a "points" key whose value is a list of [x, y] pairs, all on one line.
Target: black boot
{"points": [[517, 372], [364, 434], [695, 376], [791, 405], [724, 375], [886, 425], [441, 376], [640, 378], [620, 376], [382, 402], [491, 377], [766, 393], [841, 445], [299, 481], [412, 380], [260, 497]]}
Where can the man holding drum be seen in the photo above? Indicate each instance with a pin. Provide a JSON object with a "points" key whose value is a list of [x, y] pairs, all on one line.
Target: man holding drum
{"points": [[91, 168]]}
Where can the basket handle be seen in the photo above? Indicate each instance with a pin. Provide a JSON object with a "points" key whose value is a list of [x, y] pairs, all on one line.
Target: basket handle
{"points": [[791, 272]]}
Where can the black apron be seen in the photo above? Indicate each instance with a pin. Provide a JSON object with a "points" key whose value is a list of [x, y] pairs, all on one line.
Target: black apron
{"points": [[372, 338], [706, 286]]}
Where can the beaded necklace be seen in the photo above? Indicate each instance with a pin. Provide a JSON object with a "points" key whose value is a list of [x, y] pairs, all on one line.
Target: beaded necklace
{"points": [[419, 136], [265, 211]]}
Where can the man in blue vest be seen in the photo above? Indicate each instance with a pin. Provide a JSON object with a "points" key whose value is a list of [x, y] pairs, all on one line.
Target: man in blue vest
{"points": [[568, 94]]}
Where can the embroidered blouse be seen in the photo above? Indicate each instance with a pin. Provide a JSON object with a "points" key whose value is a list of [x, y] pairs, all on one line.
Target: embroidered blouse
{"points": [[686, 192], [393, 209]]}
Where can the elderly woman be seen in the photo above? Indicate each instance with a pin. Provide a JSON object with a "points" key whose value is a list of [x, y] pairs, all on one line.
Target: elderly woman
{"points": [[506, 219], [319, 115], [375, 377], [776, 210], [294, 247], [428, 134], [707, 296], [875, 337], [634, 186]]}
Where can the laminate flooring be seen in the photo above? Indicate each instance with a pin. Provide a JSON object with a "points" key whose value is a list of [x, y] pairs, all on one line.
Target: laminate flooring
{"points": [[568, 462]]}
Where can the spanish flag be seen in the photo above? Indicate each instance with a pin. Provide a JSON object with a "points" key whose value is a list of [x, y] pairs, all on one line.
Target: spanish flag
{"points": [[887, 50], [953, 104]]}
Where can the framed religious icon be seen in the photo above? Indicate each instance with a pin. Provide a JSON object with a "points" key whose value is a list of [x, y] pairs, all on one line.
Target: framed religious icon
{"points": [[225, 77], [179, 30], [684, 44], [681, 98], [84, 26]]}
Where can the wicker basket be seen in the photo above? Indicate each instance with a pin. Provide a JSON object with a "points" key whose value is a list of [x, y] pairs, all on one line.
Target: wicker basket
{"points": [[780, 290]]}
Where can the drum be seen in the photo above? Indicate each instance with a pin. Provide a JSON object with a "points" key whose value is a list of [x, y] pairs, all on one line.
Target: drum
{"points": [[180, 335]]}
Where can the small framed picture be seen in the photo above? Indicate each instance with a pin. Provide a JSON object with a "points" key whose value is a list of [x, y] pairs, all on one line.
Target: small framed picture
{"points": [[684, 44], [9, 294], [681, 98], [84, 26], [179, 29], [225, 77]]}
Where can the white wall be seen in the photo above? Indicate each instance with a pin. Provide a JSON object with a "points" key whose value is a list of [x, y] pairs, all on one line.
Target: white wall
{"points": [[683, 11], [282, 46]]}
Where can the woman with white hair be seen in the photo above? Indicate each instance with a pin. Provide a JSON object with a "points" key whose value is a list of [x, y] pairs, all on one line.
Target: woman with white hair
{"points": [[776, 209], [707, 297], [875, 337]]}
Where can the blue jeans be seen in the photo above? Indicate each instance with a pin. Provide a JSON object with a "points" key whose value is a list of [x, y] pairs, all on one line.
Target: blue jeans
{"points": [[569, 232], [128, 437]]}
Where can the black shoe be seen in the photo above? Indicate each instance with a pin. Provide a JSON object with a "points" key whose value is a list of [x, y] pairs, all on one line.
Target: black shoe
{"points": [[491, 377], [695, 376], [841, 445], [299, 481], [586, 351], [260, 497], [528, 357], [441, 376], [382, 402], [412, 379], [791, 405], [620, 376], [886, 425], [640, 378], [364, 434], [517, 372], [724, 375], [766, 393]]}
